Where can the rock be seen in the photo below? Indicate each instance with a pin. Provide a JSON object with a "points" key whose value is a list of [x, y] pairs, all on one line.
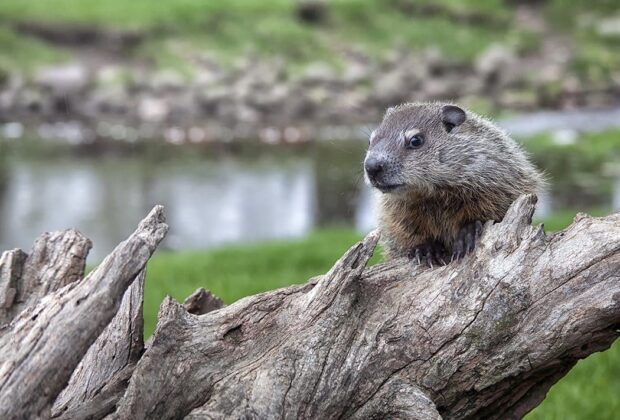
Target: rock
{"points": [[549, 73], [244, 88], [247, 114], [270, 135], [609, 27], [571, 85], [214, 94], [389, 88], [107, 100], [349, 102], [318, 95], [435, 61], [495, 61], [441, 88], [311, 11], [9, 93], [264, 73], [297, 106], [32, 101], [258, 92], [207, 77], [356, 72], [111, 75], [615, 77], [278, 93], [292, 135], [601, 99], [7, 101], [524, 99], [174, 135], [468, 85], [64, 79], [319, 72], [182, 109], [225, 112], [153, 109], [167, 81], [197, 135]]}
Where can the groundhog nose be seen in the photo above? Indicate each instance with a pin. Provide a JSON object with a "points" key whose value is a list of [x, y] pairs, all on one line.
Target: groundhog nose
{"points": [[373, 167]]}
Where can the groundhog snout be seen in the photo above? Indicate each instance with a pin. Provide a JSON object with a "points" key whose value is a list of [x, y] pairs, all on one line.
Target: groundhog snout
{"points": [[381, 173], [374, 167]]}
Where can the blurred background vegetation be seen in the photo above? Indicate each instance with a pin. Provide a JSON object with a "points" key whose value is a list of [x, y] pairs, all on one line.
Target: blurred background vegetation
{"points": [[248, 119]]}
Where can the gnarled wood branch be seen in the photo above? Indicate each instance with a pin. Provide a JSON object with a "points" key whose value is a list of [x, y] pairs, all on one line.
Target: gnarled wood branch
{"points": [[486, 336], [43, 345]]}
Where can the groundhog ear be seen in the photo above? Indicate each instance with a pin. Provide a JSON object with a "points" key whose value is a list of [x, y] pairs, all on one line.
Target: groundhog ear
{"points": [[452, 116]]}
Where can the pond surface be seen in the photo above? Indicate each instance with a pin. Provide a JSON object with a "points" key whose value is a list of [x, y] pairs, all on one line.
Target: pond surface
{"points": [[209, 200]]}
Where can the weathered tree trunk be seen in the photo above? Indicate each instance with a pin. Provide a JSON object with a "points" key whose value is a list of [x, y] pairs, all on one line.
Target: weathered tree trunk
{"points": [[484, 337], [43, 345]]}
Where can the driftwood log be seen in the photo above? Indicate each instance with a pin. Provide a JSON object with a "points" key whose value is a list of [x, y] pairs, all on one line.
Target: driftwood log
{"points": [[484, 337]]}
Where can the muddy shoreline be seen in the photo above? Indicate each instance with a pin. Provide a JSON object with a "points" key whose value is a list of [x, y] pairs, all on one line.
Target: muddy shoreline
{"points": [[257, 98]]}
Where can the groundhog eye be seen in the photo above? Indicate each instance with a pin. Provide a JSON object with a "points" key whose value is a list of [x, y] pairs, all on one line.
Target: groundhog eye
{"points": [[415, 141]]}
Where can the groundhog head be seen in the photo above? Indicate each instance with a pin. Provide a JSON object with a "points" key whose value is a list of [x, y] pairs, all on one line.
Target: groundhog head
{"points": [[421, 147]]}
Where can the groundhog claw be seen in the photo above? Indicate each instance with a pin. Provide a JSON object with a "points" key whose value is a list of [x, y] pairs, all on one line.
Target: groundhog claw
{"points": [[466, 240], [431, 253]]}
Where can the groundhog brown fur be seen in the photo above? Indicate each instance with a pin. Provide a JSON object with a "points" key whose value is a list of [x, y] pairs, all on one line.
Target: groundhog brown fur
{"points": [[443, 171]]}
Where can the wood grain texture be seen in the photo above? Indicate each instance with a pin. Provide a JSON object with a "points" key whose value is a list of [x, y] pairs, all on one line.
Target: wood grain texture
{"points": [[484, 337], [101, 377], [11, 267], [43, 346], [202, 301], [56, 260]]}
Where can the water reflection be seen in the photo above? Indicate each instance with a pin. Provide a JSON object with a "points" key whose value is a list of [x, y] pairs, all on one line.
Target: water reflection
{"points": [[207, 202], [366, 214]]}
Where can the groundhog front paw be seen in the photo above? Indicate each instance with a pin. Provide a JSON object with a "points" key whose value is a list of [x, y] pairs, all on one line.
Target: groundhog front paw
{"points": [[429, 253], [466, 239]]}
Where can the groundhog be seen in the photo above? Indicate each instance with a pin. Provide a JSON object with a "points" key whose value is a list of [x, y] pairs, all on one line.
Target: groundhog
{"points": [[443, 172]]}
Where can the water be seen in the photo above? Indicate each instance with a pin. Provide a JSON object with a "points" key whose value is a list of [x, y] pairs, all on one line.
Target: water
{"points": [[209, 200], [578, 120]]}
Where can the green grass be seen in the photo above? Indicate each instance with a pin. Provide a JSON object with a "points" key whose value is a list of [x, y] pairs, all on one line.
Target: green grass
{"points": [[194, 14], [560, 219], [178, 28], [590, 391], [234, 272], [228, 28], [23, 53], [596, 54], [568, 12], [582, 171]]}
